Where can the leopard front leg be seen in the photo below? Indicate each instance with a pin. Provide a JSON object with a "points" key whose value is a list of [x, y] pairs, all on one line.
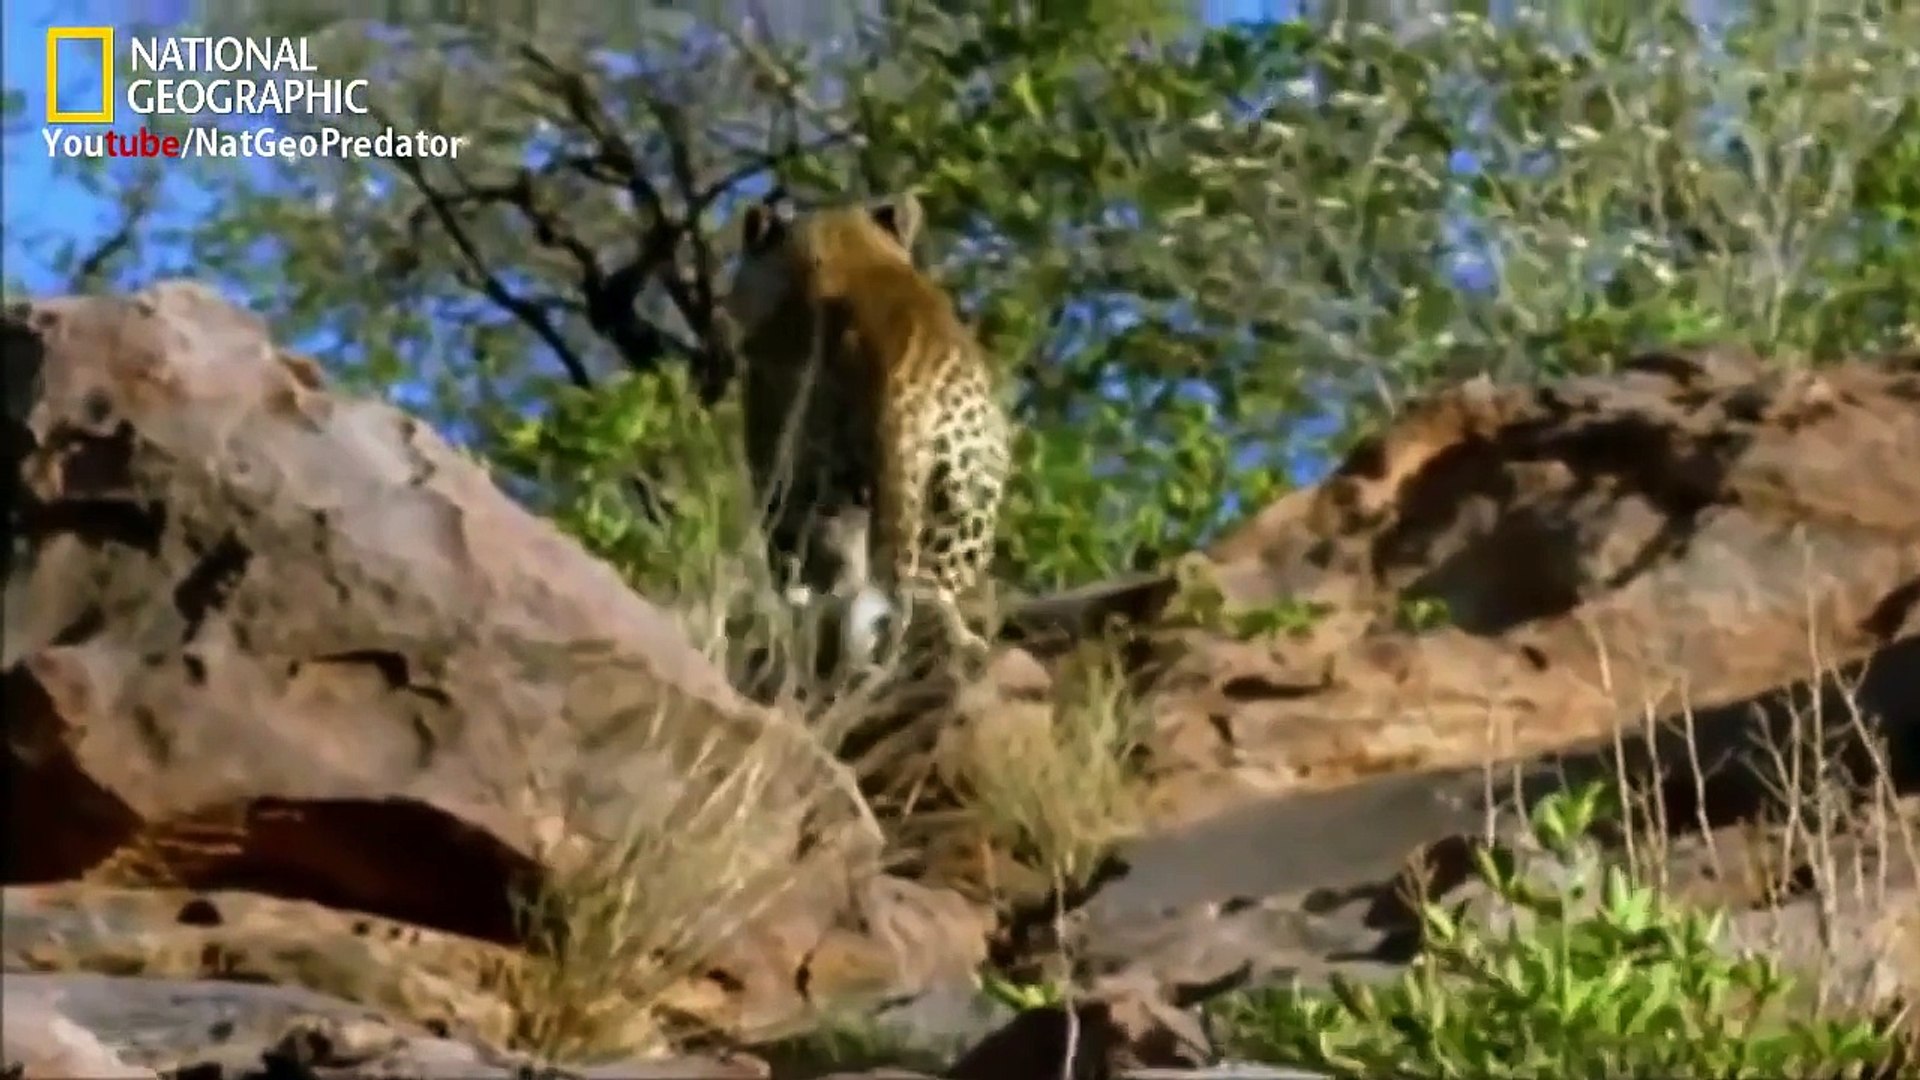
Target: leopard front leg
{"points": [[973, 479], [972, 647], [908, 468]]}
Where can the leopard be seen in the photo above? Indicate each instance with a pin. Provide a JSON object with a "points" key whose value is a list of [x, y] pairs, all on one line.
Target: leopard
{"points": [[866, 397]]}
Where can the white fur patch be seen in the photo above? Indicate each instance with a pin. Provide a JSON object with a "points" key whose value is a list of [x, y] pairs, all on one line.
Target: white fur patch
{"points": [[865, 617]]}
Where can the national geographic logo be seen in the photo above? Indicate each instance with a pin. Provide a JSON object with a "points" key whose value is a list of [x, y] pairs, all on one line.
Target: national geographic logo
{"points": [[231, 79], [83, 36], [198, 76]]}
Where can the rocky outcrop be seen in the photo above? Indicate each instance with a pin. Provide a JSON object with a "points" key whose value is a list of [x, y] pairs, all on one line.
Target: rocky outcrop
{"points": [[260, 636], [1507, 571], [212, 539], [1695, 533], [62, 1026], [298, 696], [1665, 576]]}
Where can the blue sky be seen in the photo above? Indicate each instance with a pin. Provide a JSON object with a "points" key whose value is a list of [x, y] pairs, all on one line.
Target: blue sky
{"points": [[34, 201]]}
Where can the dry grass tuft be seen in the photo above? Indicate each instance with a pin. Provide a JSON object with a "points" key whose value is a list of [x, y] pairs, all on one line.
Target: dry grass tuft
{"points": [[668, 831], [1833, 848], [674, 830], [1060, 791]]}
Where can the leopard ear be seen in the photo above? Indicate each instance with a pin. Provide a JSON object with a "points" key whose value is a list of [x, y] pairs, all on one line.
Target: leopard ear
{"points": [[902, 215], [761, 227]]}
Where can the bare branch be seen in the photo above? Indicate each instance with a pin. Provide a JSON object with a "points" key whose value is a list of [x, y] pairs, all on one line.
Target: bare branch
{"points": [[528, 311], [673, 122], [535, 315], [669, 229], [584, 109]]}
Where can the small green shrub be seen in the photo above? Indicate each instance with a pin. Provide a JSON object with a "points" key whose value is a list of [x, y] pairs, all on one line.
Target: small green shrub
{"points": [[589, 450], [839, 1044], [1593, 976], [1021, 996]]}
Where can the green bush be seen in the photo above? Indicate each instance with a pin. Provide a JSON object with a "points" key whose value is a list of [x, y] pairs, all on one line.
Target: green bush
{"points": [[1592, 976], [644, 476]]}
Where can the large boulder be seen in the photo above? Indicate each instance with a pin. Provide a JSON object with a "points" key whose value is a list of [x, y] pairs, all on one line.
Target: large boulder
{"points": [[1507, 571], [1701, 575], [1690, 575], [262, 636], [251, 624], [61, 1026]]}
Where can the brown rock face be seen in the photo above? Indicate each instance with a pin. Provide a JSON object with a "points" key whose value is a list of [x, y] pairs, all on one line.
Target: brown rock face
{"points": [[65, 1026], [262, 637], [1115, 1031], [1705, 561], [1692, 534]]}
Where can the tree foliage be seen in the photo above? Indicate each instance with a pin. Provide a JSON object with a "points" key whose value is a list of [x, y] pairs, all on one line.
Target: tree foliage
{"points": [[1204, 254]]}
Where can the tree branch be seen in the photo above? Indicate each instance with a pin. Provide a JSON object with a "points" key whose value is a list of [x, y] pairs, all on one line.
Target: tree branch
{"points": [[94, 266], [529, 312], [610, 289]]}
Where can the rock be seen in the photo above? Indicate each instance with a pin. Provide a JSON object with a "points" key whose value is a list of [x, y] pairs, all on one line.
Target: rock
{"points": [[297, 694], [892, 940], [160, 1024], [945, 1020], [49, 1046], [1865, 955], [263, 637], [1040, 623], [1285, 888], [1605, 550], [255, 624], [1309, 885], [1225, 1071], [1639, 573], [1118, 1027], [427, 977], [219, 1030]]}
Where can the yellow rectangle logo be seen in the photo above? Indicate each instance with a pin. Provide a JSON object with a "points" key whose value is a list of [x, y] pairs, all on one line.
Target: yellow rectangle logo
{"points": [[101, 34]]}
